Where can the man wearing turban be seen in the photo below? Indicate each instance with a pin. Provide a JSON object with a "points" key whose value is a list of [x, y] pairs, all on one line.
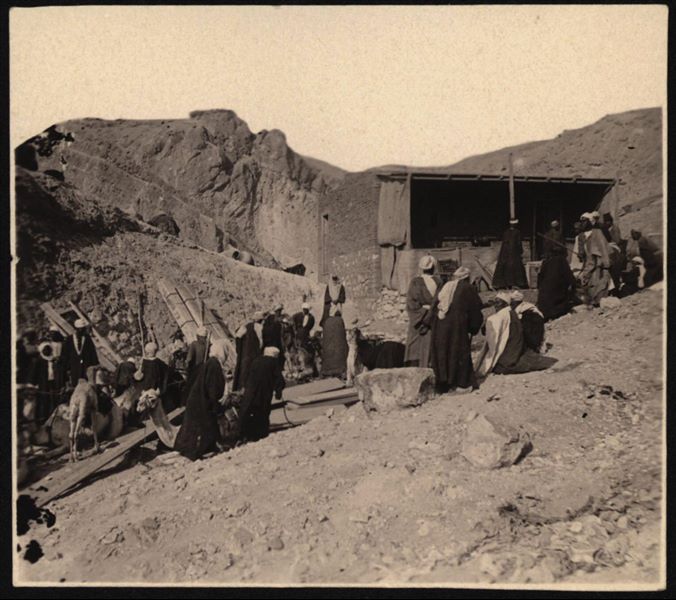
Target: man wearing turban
{"points": [[459, 317], [79, 353], [509, 270], [419, 299]]}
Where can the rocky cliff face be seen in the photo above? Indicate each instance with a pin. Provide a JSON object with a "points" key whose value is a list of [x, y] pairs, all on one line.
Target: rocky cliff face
{"points": [[218, 181], [73, 247]]}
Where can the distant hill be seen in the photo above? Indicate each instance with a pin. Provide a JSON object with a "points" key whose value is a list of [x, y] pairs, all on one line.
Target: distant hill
{"points": [[625, 146]]}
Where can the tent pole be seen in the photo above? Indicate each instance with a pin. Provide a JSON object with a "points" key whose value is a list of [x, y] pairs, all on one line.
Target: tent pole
{"points": [[511, 188]]}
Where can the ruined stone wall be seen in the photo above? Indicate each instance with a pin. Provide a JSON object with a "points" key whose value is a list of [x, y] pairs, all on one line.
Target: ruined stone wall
{"points": [[350, 245]]}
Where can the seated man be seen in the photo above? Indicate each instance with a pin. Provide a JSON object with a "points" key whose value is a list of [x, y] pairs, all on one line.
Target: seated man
{"points": [[264, 378], [532, 321], [504, 351]]}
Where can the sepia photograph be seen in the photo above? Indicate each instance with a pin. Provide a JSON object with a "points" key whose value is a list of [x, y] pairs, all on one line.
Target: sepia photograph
{"points": [[339, 296]]}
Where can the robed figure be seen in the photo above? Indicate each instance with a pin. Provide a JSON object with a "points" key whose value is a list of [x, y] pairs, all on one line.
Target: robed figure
{"points": [[509, 270], [303, 322], [421, 295], [78, 354], [459, 317], [334, 298], [249, 346], [334, 336], [556, 286], [199, 431], [264, 379]]}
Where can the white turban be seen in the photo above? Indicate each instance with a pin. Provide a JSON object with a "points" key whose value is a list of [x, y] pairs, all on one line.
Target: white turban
{"points": [[427, 262], [258, 315], [587, 216], [202, 331], [150, 349], [517, 296], [271, 351], [305, 305], [461, 273], [218, 350], [506, 297], [80, 324]]}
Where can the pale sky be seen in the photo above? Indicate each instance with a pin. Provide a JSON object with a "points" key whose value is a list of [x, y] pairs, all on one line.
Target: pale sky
{"points": [[354, 86]]}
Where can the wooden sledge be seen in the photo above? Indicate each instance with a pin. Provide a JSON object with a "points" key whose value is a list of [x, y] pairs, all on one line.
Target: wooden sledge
{"points": [[190, 312]]}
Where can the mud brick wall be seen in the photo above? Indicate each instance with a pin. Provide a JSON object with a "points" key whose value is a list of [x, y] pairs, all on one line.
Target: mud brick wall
{"points": [[348, 242]]}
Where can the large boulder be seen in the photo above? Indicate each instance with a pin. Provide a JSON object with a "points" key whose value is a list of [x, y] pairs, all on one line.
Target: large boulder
{"points": [[488, 445], [383, 390]]}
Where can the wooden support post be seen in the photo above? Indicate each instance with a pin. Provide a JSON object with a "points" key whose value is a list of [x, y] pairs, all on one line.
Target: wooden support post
{"points": [[512, 211], [534, 249]]}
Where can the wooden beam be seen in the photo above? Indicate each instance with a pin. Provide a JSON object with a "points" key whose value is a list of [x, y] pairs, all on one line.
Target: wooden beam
{"points": [[65, 327], [90, 465], [511, 188]]}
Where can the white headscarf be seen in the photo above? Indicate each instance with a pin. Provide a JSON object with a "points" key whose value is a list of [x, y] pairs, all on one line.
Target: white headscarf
{"points": [[448, 291]]}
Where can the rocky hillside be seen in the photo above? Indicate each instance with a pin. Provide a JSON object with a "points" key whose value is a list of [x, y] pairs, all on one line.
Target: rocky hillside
{"points": [[72, 247], [218, 181], [625, 146]]}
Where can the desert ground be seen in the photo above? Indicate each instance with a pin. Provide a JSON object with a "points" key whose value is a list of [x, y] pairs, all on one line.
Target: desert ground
{"points": [[390, 499]]}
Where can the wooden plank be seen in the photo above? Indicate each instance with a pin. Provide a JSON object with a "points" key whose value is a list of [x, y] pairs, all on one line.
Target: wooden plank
{"points": [[324, 396], [65, 327], [92, 464], [178, 310], [315, 387], [298, 415]]}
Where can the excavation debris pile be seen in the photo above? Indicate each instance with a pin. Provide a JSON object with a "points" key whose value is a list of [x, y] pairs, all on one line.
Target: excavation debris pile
{"points": [[365, 497]]}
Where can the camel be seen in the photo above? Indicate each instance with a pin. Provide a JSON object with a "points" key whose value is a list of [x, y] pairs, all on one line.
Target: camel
{"points": [[84, 403], [150, 401]]}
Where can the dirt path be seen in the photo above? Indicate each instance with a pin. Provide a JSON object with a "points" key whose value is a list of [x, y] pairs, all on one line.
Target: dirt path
{"points": [[350, 498]]}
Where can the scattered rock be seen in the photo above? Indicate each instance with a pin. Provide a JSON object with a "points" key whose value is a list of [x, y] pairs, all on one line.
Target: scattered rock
{"points": [[610, 303], [275, 543], [387, 389], [491, 446]]}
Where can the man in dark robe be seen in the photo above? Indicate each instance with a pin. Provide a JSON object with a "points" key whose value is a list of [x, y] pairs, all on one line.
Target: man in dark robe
{"points": [[303, 322], [334, 347], [610, 230], [459, 317], [652, 257], [199, 432], [78, 354], [509, 270], [504, 351], [273, 332], [532, 322], [197, 352], [552, 239], [334, 298], [556, 286], [419, 299], [249, 346], [264, 379]]}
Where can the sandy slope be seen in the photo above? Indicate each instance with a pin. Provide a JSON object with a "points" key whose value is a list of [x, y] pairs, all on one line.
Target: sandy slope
{"points": [[350, 498]]}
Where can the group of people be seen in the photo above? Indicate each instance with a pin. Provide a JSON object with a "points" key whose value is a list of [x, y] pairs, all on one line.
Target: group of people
{"points": [[443, 318]]}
